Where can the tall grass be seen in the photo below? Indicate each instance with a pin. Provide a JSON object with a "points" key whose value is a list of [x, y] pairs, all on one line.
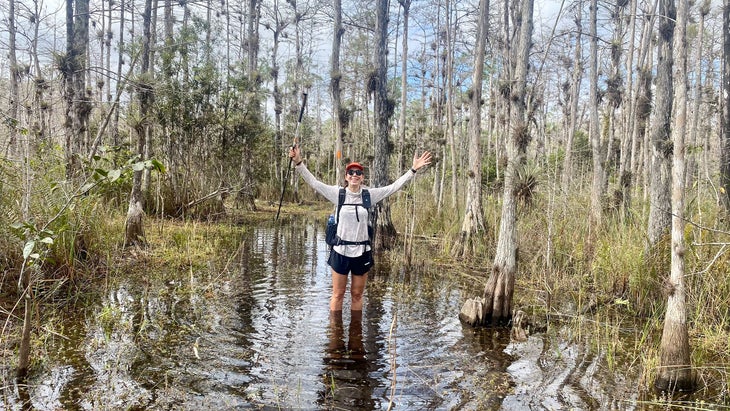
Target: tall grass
{"points": [[604, 274]]}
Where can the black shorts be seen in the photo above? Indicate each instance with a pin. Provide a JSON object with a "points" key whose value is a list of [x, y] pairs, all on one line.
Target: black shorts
{"points": [[356, 265]]}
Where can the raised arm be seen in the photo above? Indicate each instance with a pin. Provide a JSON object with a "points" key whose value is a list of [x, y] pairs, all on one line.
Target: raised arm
{"points": [[329, 192], [380, 193]]}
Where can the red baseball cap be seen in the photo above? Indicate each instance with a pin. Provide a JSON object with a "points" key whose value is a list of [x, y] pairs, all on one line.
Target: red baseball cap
{"points": [[354, 165]]}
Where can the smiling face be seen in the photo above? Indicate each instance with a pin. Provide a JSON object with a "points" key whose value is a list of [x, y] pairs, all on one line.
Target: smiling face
{"points": [[354, 177]]}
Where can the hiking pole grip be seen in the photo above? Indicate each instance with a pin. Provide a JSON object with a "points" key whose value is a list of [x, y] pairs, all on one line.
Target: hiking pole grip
{"points": [[296, 141]]}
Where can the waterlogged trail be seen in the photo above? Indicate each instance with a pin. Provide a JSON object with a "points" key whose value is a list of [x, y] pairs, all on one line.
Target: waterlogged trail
{"points": [[251, 329]]}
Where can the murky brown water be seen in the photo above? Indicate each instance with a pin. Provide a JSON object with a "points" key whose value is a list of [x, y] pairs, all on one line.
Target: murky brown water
{"points": [[252, 330]]}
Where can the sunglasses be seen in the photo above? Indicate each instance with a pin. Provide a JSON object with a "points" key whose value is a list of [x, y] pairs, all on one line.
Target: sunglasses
{"points": [[354, 172]]}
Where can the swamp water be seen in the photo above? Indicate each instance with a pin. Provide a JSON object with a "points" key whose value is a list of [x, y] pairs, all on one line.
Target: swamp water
{"points": [[250, 329]]}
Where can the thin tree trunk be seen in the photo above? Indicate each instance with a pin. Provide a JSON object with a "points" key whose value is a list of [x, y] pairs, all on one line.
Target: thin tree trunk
{"points": [[336, 77], [660, 201], [473, 222], [245, 195], [697, 95], [385, 231], [675, 372], [120, 63], [73, 69], [498, 292], [147, 153], [574, 95], [725, 154], [642, 103], [276, 31], [41, 106], [406, 4], [597, 147], [451, 101], [14, 88], [134, 227]]}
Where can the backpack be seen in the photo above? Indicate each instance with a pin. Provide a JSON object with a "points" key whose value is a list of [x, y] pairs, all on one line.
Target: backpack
{"points": [[331, 234]]}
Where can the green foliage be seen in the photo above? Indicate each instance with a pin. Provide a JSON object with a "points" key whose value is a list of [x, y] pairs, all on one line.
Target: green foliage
{"points": [[582, 156], [10, 247], [65, 222], [491, 180]]}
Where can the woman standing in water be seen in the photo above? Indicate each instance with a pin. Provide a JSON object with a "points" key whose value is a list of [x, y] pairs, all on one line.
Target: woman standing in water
{"points": [[355, 256]]}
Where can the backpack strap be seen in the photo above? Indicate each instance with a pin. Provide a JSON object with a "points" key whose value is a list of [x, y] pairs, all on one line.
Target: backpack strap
{"points": [[366, 199], [340, 202]]}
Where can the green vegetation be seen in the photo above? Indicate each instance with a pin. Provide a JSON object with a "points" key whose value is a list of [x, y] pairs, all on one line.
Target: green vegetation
{"points": [[599, 281]]}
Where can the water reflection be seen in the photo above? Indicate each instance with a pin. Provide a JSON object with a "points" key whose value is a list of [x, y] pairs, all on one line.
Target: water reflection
{"points": [[250, 329], [347, 384]]}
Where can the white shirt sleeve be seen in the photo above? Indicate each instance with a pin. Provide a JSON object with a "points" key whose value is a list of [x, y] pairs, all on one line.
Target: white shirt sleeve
{"points": [[331, 193], [379, 194]]}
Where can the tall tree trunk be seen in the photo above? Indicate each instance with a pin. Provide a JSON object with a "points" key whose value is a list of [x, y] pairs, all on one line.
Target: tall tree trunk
{"points": [[473, 222], [406, 4], [279, 25], [120, 62], [642, 102], [675, 372], [245, 195], [660, 179], [78, 106], [147, 151], [697, 95], [14, 88], [597, 146], [335, 89], [498, 292], [574, 95], [134, 227], [725, 155], [451, 102], [385, 231], [41, 106]]}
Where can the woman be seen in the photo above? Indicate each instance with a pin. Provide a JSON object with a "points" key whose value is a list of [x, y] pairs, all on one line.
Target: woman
{"points": [[355, 259]]}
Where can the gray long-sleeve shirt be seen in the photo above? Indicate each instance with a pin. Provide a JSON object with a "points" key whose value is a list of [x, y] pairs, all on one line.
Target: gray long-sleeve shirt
{"points": [[353, 222]]}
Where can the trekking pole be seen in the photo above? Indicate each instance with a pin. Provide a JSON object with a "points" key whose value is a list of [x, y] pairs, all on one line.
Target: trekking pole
{"points": [[296, 141]]}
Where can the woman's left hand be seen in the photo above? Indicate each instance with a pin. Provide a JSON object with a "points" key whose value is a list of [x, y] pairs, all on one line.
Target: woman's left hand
{"points": [[423, 160]]}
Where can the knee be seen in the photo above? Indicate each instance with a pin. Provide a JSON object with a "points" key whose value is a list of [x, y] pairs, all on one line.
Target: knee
{"points": [[356, 295], [338, 294]]}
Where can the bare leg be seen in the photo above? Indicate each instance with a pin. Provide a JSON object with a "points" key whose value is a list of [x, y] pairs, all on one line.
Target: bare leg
{"points": [[357, 288], [339, 285]]}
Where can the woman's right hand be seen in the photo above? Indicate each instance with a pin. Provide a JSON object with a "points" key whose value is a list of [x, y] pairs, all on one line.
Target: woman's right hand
{"points": [[295, 154]]}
